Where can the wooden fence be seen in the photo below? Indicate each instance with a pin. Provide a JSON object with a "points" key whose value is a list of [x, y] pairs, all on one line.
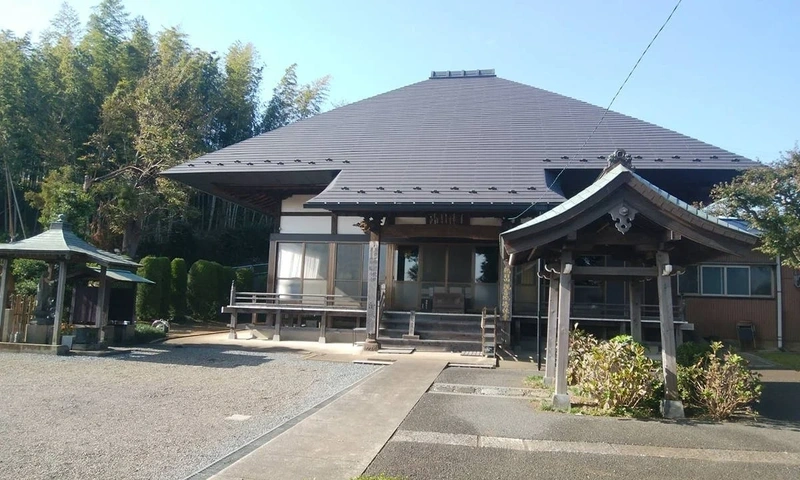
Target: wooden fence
{"points": [[22, 307]]}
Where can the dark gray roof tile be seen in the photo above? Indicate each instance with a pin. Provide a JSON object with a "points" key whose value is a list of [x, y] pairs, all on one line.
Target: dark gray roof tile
{"points": [[466, 132]]}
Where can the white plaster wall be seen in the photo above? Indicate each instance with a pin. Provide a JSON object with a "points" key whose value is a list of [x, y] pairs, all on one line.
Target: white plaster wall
{"points": [[295, 204], [409, 221], [306, 224], [346, 226], [490, 221]]}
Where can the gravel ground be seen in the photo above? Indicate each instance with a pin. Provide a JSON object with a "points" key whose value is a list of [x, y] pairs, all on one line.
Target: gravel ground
{"points": [[159, 412]]}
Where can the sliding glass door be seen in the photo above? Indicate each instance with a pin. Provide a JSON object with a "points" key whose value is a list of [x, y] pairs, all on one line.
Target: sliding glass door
{"points": [[444, 278]]}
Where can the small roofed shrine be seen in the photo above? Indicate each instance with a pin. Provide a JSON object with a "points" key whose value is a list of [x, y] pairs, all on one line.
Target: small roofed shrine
{"points": [[60, 248], [648, 233]]}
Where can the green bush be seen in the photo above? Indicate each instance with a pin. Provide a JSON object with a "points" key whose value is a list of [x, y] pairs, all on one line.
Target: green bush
{"points": [[689, 353], [719, 384], [228, 279], [177, 301], [145, 333], [244, 280], [619, 376], [580, 344], [27, 273], [203, 289], [152, 300]]}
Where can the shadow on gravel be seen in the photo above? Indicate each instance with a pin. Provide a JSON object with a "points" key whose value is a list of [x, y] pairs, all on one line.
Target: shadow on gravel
{"points": [[201, 355]]}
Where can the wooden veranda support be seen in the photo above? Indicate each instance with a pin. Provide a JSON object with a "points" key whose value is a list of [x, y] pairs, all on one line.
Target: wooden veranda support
{"points": [[647, 231], [372, 226]]}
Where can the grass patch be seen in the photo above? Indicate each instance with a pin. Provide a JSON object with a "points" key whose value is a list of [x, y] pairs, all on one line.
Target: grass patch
{"points": [[786, 359], [535, 381]]}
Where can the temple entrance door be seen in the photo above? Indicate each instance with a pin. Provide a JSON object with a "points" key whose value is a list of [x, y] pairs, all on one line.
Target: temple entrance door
{"points": [[445, 278]]}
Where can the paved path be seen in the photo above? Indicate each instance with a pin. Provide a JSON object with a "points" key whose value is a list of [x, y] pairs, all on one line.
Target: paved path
{"points": [[340, 440], [453, 435]]}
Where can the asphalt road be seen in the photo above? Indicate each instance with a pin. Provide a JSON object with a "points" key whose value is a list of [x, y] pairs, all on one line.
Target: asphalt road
{"points": [[436, 439]]}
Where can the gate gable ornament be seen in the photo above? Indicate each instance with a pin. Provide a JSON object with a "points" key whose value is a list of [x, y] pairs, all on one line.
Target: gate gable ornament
{"points": [[623, 216]]}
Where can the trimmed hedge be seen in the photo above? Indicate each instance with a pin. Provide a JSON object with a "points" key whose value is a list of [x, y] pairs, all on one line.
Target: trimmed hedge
{"points": [[244, 280], [152, 301], [203, 289], [228, 278], [177, 306]]}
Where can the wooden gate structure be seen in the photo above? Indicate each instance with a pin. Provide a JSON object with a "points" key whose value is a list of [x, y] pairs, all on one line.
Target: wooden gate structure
{"points": [[625, 217]]}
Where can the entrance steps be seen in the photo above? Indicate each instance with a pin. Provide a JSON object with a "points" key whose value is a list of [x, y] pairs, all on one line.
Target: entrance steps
{"points": [[432, 331]]}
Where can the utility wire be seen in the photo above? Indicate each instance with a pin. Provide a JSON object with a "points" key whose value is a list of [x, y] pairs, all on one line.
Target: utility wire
{"points": [[608, 107]]}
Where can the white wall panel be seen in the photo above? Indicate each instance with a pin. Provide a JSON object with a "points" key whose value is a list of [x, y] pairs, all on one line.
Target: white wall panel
{"points": [[306, 224], [346, 226], [295, 204]]}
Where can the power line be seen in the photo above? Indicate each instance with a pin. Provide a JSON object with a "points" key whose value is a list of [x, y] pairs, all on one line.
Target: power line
{"points": [[605, 112]]}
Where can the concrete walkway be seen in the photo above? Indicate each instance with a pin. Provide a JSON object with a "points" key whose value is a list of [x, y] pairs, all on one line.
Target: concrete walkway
{"points": [[340, 440]]}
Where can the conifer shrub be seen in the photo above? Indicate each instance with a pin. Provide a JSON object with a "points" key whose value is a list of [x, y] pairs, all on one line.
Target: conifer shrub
{"points": [[152, 300], [228, 279], [203, 288], [177, 305], [244, 280]]}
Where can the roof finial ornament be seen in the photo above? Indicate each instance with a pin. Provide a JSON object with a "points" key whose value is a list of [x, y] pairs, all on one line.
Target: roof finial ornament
{"points": [[619, 157]]}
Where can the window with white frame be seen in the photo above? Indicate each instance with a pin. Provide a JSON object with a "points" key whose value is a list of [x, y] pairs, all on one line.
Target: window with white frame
{"points": [[727, 280]]}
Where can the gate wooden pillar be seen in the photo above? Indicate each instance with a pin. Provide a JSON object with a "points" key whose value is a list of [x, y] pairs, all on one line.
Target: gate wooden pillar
{"points": [[671, 406], [552, 330], [561, 399], [635, 294]]}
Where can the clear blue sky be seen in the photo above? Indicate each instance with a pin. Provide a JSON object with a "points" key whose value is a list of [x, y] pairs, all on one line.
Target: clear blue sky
{"points": [[723, 71]]}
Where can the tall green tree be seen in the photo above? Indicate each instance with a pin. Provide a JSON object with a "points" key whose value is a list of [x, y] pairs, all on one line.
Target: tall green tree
{"points": [[291, 101], [92, 113], [105, 32], [768, 198], [173, 107], [238, 113], [62, 194]]}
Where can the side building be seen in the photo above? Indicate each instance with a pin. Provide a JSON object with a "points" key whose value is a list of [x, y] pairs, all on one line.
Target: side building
{"points": [[390, 211]]}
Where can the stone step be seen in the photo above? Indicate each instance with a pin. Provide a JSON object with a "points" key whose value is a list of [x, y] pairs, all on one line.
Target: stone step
{"points": [[431, 345]]}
